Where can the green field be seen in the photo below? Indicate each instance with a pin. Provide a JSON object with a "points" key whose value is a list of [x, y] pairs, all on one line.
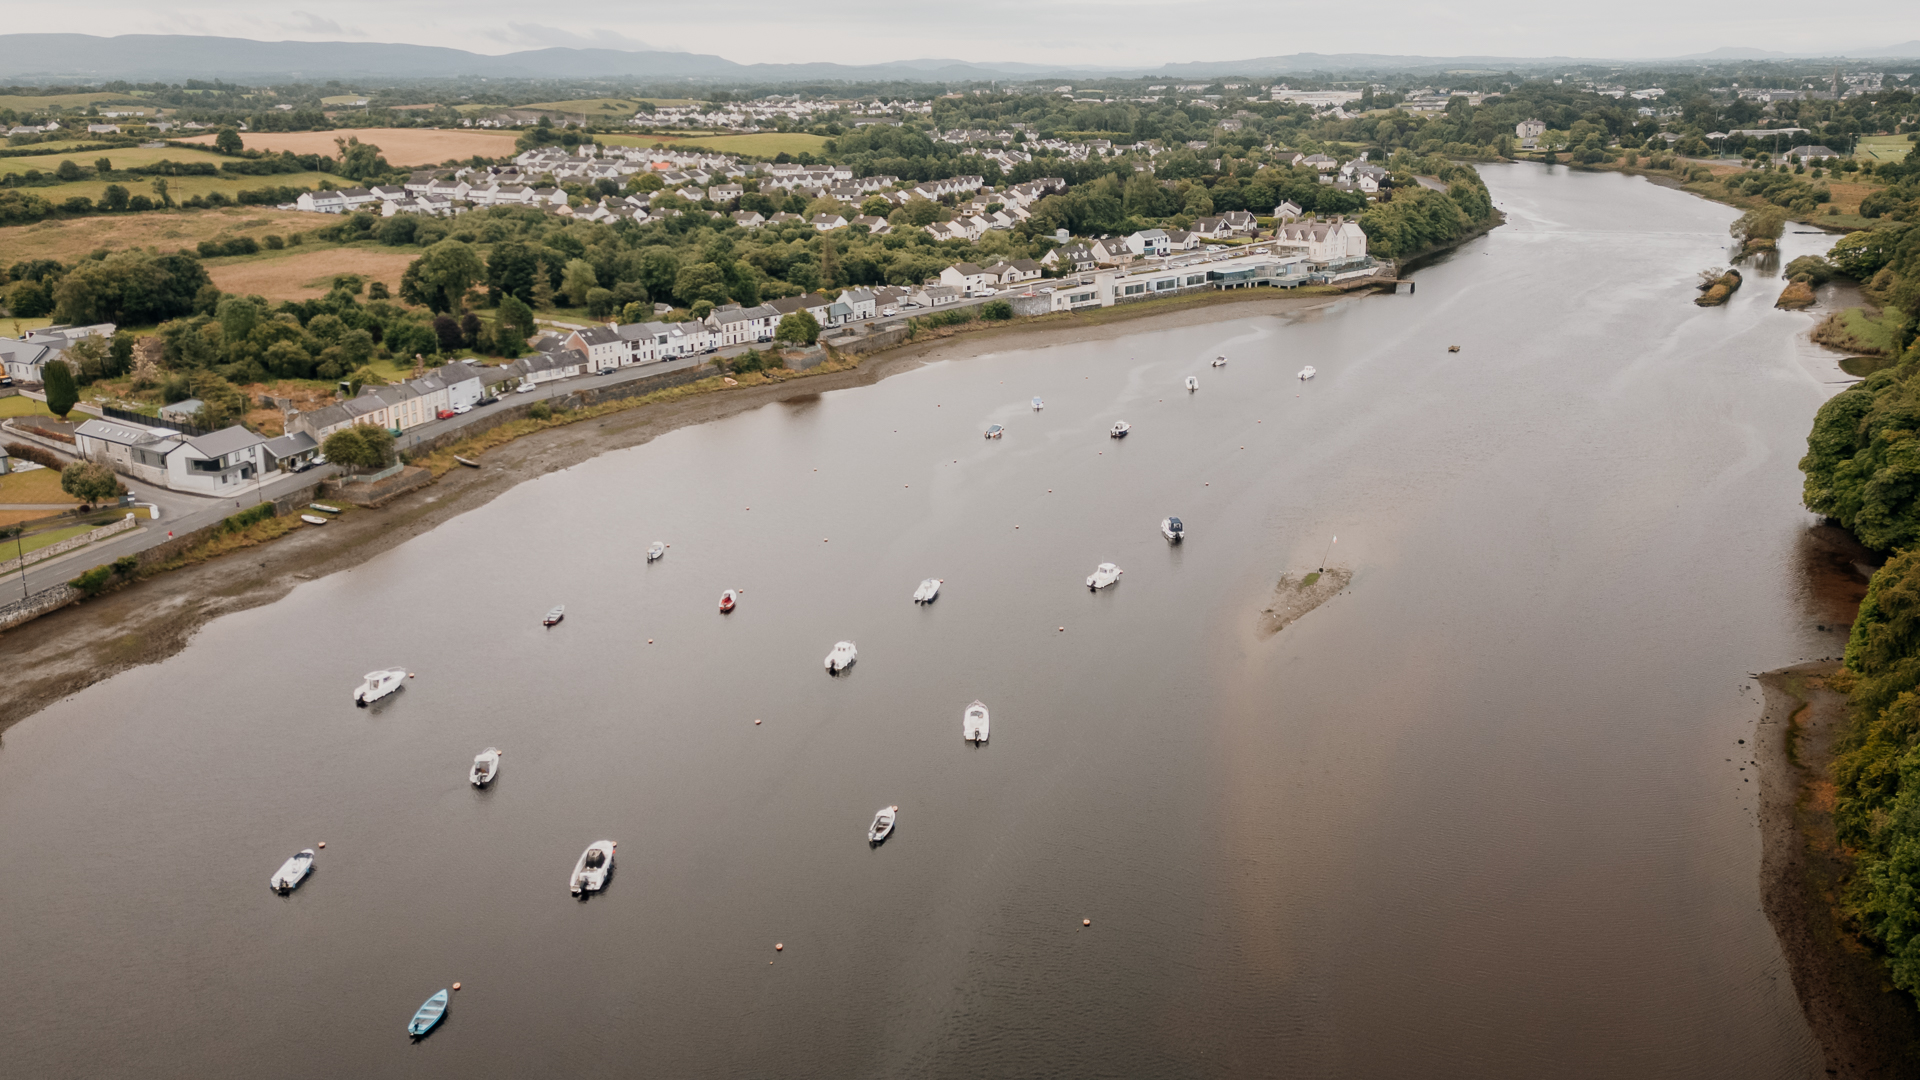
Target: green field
{"points": [[18, 405], [122, 158], [38, 102], [610, 106], [342, 99], [759, 144], [180, 187], [1883, 147]]}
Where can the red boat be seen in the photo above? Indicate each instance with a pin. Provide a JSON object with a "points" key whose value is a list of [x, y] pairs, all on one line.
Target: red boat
{"points": [[727, 601]]}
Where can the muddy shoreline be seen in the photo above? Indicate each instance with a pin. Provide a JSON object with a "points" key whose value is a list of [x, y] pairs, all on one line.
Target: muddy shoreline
{"points": [[64, 652]]}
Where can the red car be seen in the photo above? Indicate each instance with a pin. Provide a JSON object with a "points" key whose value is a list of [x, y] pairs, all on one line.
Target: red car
{"points": [[443, 414]]}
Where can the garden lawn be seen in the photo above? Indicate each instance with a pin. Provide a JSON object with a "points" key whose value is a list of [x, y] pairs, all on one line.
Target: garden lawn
{"points": [[21, 405], [34, 486]]}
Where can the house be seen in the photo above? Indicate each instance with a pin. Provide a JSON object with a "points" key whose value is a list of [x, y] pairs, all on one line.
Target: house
{"points": [[131, 449], [1530, 129], [1012, 273], [1178, 240], [861, 303], [289, 452], [827, 222], [736, 325], [604, 347], [1211, 228], [877, 226], [1319, 161], [1287, 211], [1076, 256], [321, 202], [748, 219], [25, 360], [1811, 153], [1242, 223], [966, 276], [934, 296], [812, 303], [1325, 241], [1148, 242]]}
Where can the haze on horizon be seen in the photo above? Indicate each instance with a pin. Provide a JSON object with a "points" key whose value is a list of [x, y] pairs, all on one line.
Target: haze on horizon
{"points": [[1111, 33]]}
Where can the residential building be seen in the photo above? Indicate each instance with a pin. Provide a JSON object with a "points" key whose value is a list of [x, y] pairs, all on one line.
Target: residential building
{"points": [[732, 324], [1148, 242], [861, 303], [1324, 241]]}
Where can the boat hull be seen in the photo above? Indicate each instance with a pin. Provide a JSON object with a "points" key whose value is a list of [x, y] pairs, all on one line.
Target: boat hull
{"points": [[973, 723], [428, 1016]]}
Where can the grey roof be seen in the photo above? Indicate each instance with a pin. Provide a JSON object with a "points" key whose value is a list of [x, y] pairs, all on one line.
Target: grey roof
{"points": [[598, 335], [114, 431], [225, 441], [287, 446]]}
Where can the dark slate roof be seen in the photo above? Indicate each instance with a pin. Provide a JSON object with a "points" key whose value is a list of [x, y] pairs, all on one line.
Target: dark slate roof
{"points": [[225, 441]]}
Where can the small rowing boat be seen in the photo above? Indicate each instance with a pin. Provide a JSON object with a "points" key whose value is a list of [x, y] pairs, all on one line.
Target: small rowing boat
{"points": [[323, 508], [428, 1015], [973, 723], [292, 872], [553, 617], [882, 826], [468, 462], [727, 600], [313, 519], [486, 766], [1192, 384]]}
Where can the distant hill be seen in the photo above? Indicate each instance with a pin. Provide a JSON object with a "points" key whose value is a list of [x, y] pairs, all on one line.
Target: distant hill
{"points": [[32, 57]]}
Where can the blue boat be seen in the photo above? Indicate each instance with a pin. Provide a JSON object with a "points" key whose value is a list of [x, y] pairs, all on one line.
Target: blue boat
{"points": [[429, 1015]]}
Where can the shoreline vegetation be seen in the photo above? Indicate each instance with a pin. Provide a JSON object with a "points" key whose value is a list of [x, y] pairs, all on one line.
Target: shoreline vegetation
{"points": [[149, 619], [1295, 596]]}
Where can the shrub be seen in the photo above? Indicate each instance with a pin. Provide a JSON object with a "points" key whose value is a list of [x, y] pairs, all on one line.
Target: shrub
{"points": [[236, 522], [540, 410], [998, 310], [29, 452], [89, 482], [125, 565], [93, 580]]}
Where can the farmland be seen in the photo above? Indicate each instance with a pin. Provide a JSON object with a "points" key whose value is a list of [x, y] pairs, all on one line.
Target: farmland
{"points": [[402, 147], [302, 275], [183, 187], [122, 157], [37, 102], [1883, 147], [70, 239]]}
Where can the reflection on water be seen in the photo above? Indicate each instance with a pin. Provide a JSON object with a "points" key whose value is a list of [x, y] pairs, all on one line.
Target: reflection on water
{"points": [[1468, 819]]}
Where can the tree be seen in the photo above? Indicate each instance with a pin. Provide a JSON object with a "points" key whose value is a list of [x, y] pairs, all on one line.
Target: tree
{"points": [[228, 141], [515, 323], [1764, 223], [447, 331], [577, 280], [115, 197], [362, 446], [89, 482], [62, 393], [701, 281], [799, 328], [440, 278], [599, 303], [221, 403]]}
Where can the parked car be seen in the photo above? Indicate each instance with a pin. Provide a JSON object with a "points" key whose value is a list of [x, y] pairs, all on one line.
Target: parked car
{"points": [[488, 400], [526, 388], [462, 409], [444, 414], [890, 311]]}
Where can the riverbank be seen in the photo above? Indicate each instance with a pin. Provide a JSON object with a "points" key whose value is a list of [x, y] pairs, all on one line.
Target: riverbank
{"points": [[64, 652], [1865, 1028]]}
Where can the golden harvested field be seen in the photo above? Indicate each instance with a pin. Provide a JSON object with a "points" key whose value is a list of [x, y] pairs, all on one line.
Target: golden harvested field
{"points": [[123, 157], [308, 274], [402, 147], [164, 230], [183, 187]]}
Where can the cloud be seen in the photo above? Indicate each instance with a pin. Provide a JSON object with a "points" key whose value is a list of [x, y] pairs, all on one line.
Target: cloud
{"points": [[536, 35], [306, 22]]}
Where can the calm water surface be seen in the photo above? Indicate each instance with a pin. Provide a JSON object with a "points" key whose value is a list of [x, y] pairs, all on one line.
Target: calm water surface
{"points": [[1474, 818]]}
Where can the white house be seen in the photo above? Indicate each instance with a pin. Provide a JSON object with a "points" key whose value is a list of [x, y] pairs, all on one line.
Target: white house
{"points": [[1287, 211], [861, 303], [603, 346], [1148, 242], [1325, 241], [215, 464], [1012, 273], [735, 325], [828, 222], [1530, 129], [966, 276]]}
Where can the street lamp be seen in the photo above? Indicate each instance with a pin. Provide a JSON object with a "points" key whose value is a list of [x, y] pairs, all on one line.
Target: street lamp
{"points": [[19, 548]]}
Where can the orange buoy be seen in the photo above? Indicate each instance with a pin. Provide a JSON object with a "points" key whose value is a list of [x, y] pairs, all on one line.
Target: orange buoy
{"points": [[1086, 922], [778, 947], [456, 986], [322, 843]]}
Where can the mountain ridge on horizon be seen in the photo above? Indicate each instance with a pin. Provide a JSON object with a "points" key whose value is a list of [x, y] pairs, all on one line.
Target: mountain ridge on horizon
{"points": [[165, 56]]}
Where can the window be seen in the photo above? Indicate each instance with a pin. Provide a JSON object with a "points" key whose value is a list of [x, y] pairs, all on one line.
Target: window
{"points": [[1135, 290]]}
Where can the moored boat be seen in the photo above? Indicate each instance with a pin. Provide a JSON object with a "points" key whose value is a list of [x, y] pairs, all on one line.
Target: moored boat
{"points": [[973, 723], [553, 617], [378, 684], [727, 600], [468, 462], [1038, 404], [928, 589], [1192, 384], [428, 1015], [842, 657], [292, 872], [486, 766], [1104, 575], [590, 873], [1453, 348], [323, 508], [1307, 372], [1220, 361], [1119, 430], [1173, 529], [996, 431], [656, 551], [882, 826], [313, 519]]}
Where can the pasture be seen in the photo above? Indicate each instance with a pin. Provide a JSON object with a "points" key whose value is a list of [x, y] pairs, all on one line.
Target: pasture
{"points": [[758, 144], [70, 239], [402, 147], [297, 274]]}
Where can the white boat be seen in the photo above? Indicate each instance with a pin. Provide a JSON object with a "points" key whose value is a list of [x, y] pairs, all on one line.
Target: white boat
{"points": [[842, 657], [313, 519], [1219, 361], [1308, 372], [378, 685], [486, 766], [882, 826], [590, 873], [292, 872], [656, 551], [1173, 529], [973, 723], [1103, 575], [1119, 430], [928, 589], [1038, 404], [996, 431], [552, 618], [1192, 384]]}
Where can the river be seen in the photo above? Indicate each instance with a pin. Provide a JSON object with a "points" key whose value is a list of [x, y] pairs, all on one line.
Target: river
{"points": [[1480, 816]]}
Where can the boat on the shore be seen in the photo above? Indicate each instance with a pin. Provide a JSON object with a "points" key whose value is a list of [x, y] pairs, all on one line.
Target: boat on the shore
{"points": [[313, 519], [882, 826], [1038, 404], [468, 462], [292, 872], [656, 551], [1119, 430], [1104, 575], [1220, 361], [973, 723], [727, 601], [928, 589], [378, 684], [428, 1015], [1173, 529], [1307, 372], [486, 766], [590, 873], [553, 617], [996, 431], [1192, 384], [1453, 348], [323, 508], [842, 657]]}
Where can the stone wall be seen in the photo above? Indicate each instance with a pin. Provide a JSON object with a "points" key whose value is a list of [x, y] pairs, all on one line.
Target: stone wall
{"points": [[69, 544], [380, 492], [32, 607]]}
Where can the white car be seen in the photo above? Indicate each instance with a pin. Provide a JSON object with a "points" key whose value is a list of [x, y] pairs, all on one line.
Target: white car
{"points": [[889, 312], [462, 409], [526, 388]]}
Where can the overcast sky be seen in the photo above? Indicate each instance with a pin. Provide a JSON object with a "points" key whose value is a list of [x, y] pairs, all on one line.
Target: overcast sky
{"points": [[1093, 32]]}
